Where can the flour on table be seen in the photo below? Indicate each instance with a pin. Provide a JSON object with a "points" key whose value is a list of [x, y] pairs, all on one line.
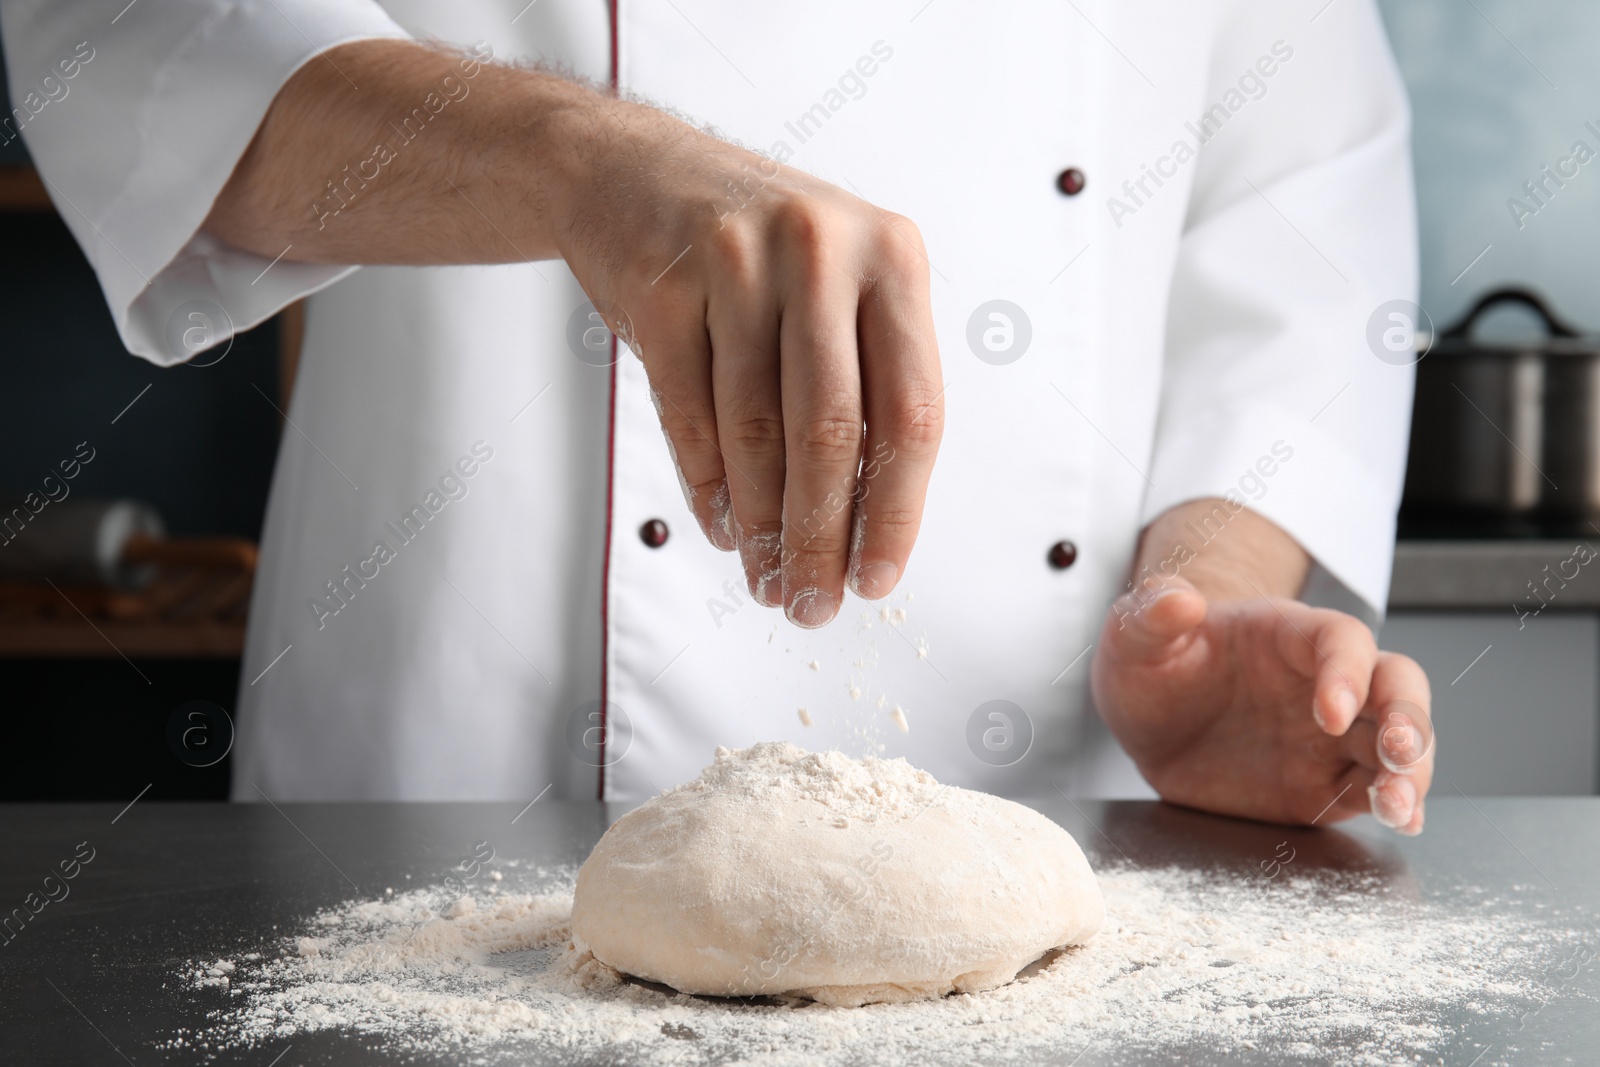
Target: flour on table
{"points": [[1305, 967]]}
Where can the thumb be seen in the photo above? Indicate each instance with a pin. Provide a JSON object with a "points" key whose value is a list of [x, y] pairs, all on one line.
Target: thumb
{"points": [[1145, 623]]}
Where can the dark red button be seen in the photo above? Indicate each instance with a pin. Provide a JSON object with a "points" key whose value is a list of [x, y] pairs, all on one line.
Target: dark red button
{"points": [[1071, 181], [653, 533], [1062, 555]]}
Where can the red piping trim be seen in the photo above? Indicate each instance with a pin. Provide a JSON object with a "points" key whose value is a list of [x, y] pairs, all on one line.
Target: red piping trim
{"points": [[615, 62], [611, 466]]}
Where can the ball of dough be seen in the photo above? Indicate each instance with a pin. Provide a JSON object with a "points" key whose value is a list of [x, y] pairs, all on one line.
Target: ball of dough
{"points": [[846, 881]]}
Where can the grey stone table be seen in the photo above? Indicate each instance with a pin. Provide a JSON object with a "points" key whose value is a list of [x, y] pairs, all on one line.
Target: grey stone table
{"points": [[90, 979]]}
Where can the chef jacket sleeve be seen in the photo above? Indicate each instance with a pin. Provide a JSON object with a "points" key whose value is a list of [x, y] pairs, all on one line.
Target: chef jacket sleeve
{"points": [[137, 141], [1301, 228]]}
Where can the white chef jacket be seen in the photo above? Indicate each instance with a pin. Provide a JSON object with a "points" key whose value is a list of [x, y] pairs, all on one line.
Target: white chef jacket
{"points": [[1196, 313]]}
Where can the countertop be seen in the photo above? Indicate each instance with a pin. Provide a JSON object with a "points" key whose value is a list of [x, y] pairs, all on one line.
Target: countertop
{"points": [[94, 978], [1496, 575]]}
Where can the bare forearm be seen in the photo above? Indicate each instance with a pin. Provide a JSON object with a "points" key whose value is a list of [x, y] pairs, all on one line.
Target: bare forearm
{"points": [[523, 165], [1226, 554], [395, 152]]}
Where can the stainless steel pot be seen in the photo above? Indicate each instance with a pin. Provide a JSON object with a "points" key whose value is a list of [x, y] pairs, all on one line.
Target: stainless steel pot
{"points": [[75, 541], [1507, 429]]}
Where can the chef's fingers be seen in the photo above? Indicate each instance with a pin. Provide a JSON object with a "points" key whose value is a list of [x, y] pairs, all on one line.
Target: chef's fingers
{"points": [[744, 375], [822, 421], [1403, 741], [1335, 649], [1401, 705], [1359, 744], [1395, 801], [1414, 827], [903, 395], [677, 357], [1346, 798], [1149, 623]]}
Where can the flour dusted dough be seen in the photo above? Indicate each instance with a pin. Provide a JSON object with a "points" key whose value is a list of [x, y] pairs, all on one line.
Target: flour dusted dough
{"points": [[845, 881]]}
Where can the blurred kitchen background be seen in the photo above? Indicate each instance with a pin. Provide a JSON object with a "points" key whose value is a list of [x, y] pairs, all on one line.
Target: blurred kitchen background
{"points": [[1492, 592], [1500, 89], [194, 445]]}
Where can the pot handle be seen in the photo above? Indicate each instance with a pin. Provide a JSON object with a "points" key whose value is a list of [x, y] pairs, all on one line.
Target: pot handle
{"points": [[1511, 295]]}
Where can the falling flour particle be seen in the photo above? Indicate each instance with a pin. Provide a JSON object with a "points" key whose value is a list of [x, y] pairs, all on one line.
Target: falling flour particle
{"points": [[899, 717], [855, 692], [814, 665], [882, 700], [805, 717], [1310, 967]]}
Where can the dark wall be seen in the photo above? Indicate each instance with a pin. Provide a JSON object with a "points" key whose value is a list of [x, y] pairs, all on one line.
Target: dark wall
{"points": [[199, 445], [96, 730]]}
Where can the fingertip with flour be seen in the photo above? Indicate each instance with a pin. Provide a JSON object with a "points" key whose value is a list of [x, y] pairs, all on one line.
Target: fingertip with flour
{"points": [[1394, 801]]}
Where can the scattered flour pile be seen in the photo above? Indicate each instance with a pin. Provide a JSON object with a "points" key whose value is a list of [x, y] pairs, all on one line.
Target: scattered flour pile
{"points": [[1309, 966]]}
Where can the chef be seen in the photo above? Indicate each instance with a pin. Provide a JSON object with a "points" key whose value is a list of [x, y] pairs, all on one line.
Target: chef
{"points": [[1013, 364]]}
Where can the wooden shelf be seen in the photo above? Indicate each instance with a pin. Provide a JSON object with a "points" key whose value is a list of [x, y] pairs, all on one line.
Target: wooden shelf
{"points": [[193, 607], [65, 639], [21, 189]]}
